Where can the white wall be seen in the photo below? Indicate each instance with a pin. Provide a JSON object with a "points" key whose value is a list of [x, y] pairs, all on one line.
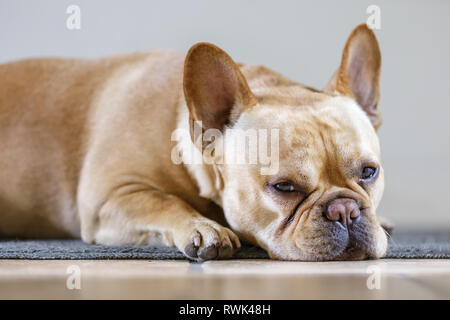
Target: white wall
{"points": [[301, 39]]}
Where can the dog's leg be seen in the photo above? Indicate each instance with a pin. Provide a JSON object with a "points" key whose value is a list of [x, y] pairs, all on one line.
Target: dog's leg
{"points": [[154, 217]]}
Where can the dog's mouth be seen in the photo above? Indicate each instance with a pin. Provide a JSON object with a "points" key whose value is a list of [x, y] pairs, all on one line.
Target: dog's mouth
{"points": [[361, 245], [325, 242], [352, 253]]}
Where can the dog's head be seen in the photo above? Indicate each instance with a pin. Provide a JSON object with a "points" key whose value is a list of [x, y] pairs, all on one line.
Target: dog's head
{"points": [[319, 203]]}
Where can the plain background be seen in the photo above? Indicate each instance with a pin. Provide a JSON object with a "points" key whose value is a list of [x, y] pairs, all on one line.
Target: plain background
{"points": [[300, 39]]}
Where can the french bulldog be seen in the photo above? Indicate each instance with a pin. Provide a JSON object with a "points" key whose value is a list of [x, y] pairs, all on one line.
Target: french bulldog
{"points": [[87, 150]]}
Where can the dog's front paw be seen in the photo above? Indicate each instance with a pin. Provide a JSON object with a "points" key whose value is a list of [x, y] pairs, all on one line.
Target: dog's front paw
{"points": [[207, 240]]}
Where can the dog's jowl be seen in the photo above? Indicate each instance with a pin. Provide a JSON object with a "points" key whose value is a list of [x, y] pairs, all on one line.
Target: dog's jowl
{"points": [[88, 149]]}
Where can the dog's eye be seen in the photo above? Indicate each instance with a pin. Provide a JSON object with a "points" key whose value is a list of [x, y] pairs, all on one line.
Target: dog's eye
{"points": [[284, 187], [368, 173]]}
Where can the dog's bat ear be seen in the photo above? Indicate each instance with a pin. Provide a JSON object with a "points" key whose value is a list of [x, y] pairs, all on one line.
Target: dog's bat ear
{"points": [[215, 90], [358, 75]]}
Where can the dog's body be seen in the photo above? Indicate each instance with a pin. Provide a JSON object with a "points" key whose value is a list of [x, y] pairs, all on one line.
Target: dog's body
{"points": [[86, 150]]}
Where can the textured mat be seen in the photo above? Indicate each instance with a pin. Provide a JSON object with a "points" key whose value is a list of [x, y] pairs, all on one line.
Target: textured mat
{"points": [[403, 244]]}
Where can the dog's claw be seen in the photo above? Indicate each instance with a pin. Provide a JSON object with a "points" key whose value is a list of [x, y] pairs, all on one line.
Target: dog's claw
{"points": [[197, 240]]}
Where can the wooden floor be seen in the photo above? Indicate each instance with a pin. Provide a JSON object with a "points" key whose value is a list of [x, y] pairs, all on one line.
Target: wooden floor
{"points": [[234, 279]]}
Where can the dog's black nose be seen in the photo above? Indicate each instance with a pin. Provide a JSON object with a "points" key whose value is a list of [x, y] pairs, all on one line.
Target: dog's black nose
{"points": [[344, 210]]}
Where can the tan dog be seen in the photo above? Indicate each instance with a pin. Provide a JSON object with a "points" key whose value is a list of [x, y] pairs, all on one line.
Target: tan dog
{"points": [[86, 150]]}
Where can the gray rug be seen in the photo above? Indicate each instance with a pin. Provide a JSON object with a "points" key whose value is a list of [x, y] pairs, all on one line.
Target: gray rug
{"points": [[403, 244]]}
